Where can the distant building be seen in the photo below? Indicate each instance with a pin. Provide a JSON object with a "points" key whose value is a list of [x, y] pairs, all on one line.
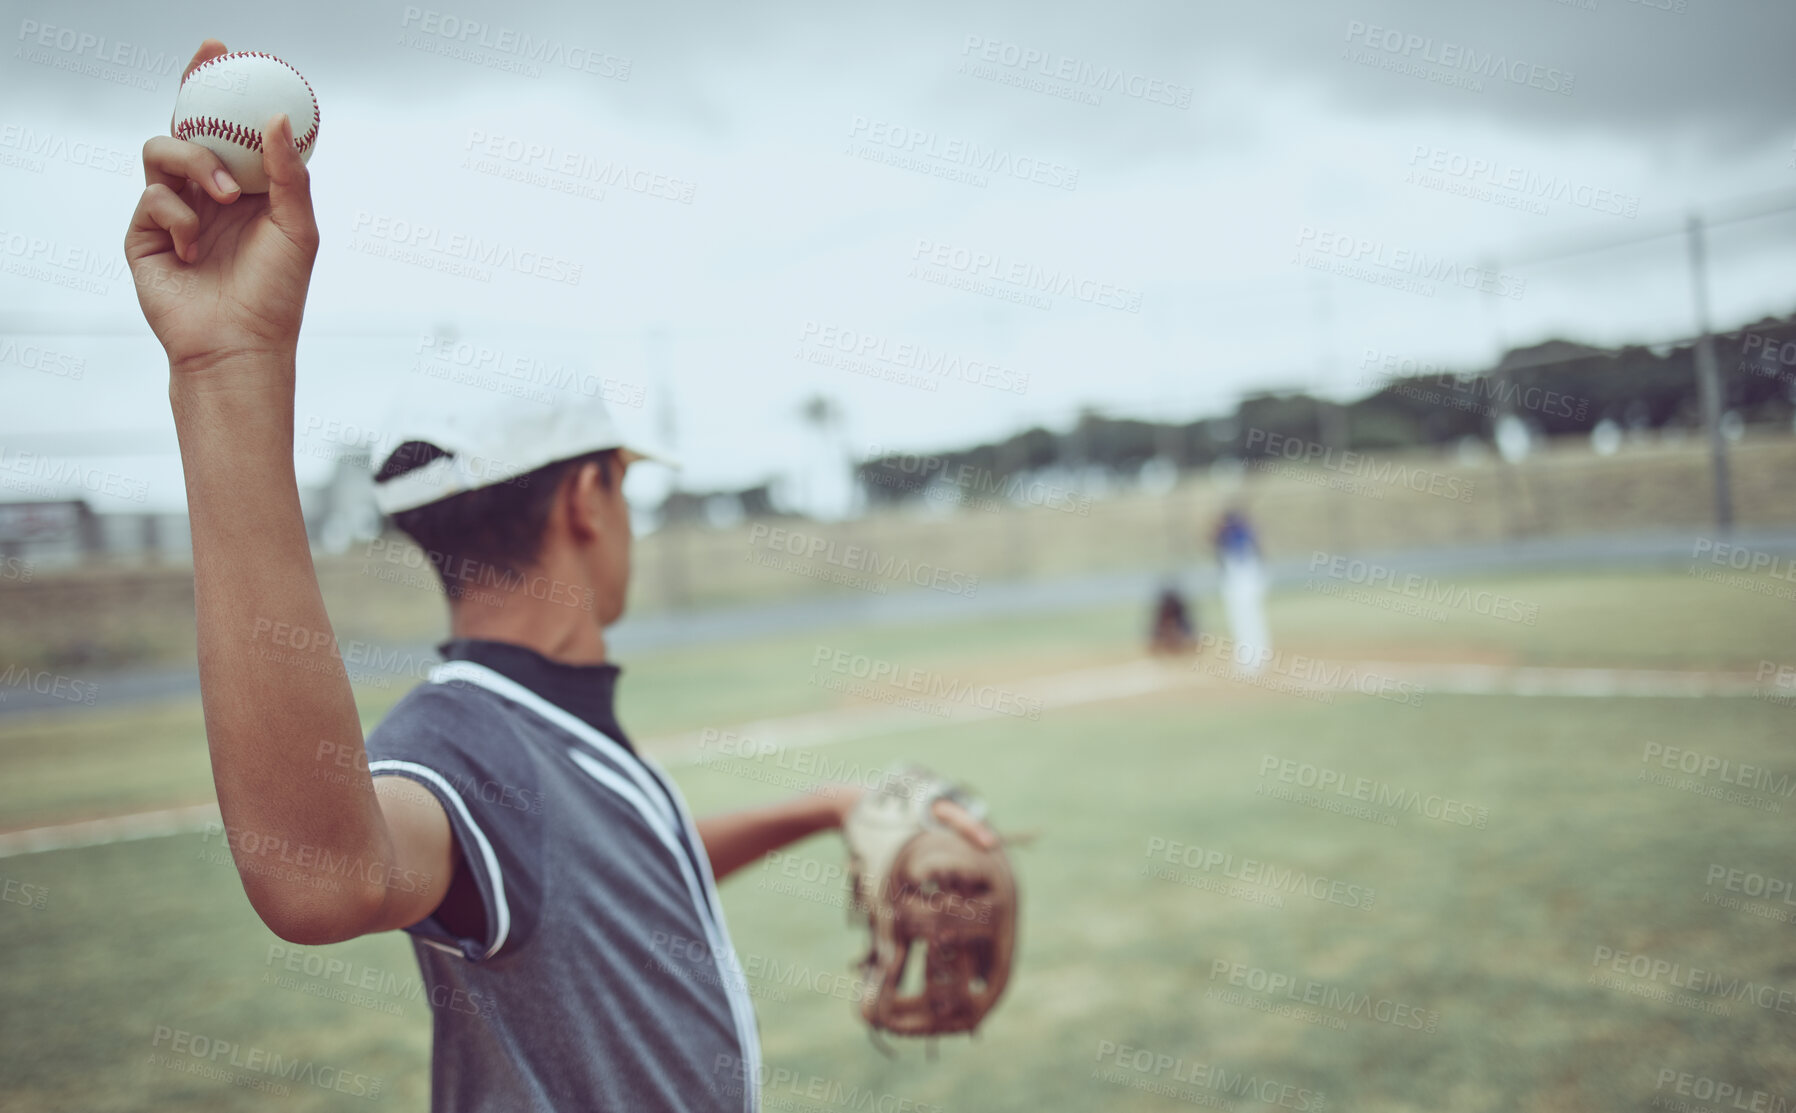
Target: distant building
{"points": [[340, 511], [64, 532], [59, 532]]}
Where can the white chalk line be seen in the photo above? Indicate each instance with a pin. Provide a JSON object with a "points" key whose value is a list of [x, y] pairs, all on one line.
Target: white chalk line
{"points": [[1069, 689], [111, 829]]}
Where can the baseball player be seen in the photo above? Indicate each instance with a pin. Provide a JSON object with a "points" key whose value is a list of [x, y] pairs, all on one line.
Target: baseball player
{"points": [[1243, 590], [560, 898]]}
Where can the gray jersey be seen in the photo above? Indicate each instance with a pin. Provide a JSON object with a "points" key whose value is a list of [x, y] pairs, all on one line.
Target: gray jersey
{"points": [[605, 978]]}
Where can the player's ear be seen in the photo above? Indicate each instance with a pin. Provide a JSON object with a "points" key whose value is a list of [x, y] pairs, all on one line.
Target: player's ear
{"points": [[582, 494]]}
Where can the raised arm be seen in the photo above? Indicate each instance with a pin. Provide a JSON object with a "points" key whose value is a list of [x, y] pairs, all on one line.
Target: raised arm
{"points": [[222, 279]]}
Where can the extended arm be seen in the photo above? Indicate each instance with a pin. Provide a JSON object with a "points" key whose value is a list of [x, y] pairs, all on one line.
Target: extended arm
{"points": [[222, 278], [735, 839]]}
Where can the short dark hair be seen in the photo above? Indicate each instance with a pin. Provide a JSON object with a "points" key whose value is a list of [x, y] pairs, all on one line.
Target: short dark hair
{"points": [[497, 529]]}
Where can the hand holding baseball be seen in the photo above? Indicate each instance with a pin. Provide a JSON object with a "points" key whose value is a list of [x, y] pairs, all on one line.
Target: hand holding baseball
{"points": [[221, 275]]}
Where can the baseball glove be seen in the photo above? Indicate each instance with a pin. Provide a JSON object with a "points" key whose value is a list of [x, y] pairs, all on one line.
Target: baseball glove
{"points": [[934, 903]]}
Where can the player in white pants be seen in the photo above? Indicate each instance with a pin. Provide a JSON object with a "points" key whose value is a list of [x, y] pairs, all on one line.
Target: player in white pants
{"points": [[1243, 591]]}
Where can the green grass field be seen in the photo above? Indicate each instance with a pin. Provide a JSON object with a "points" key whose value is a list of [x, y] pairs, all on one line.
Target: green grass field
{"points": [[1142, 983]]}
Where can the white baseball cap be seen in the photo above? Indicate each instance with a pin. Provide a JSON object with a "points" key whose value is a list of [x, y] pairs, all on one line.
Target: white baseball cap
{"points": [[497, 440]]}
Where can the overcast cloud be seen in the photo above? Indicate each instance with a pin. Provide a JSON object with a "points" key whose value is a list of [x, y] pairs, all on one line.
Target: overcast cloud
{"points": [[769, 228]]}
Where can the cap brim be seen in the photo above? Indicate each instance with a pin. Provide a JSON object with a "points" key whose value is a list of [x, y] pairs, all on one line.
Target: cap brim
{"points": [[632, 454], [445, 477]]}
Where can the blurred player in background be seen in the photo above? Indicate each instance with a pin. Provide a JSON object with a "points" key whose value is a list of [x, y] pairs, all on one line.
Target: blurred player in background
{"points": [[1243, 590], [1173, 631]]}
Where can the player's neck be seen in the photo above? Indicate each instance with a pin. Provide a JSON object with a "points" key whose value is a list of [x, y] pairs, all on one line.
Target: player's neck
{"points": [[552, 627]]}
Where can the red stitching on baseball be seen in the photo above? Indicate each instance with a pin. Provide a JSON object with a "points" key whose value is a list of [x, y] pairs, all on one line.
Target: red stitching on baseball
{"points": [[248, 137], [219, 129]]}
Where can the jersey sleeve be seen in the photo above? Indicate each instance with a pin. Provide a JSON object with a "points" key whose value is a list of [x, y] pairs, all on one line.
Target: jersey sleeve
{"points": [[457, 746]]}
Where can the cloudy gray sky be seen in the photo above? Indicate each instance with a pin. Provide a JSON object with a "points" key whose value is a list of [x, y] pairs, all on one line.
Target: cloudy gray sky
{"points": [[764, 204]]}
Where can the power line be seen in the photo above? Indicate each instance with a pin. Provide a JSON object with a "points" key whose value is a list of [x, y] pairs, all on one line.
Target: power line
{"points": [[1750, 207]]}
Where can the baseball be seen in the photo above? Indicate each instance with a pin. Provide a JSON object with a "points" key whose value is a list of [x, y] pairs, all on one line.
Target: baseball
{"points": [[223, 104]]}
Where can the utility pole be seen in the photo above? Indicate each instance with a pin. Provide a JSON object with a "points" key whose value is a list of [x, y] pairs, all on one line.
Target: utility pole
{"points": [[1708, 376]]}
